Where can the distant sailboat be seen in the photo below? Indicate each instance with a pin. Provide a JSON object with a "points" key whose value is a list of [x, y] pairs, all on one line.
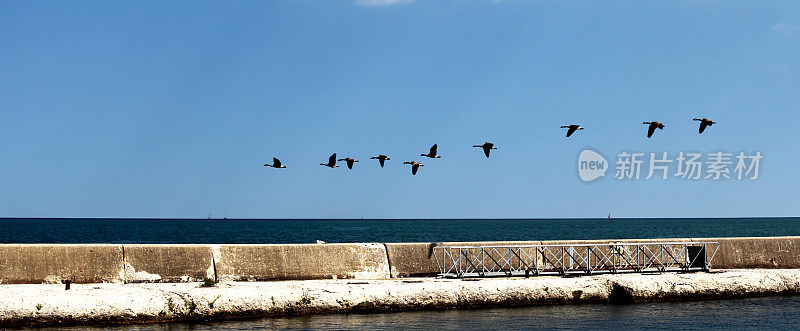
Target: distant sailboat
{"points": [[609, 215], [226, 215]]}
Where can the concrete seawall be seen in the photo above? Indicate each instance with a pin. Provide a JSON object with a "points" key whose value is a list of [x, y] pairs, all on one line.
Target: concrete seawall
{"points": [[33, 264], [105, 263], [296, 262], [89, 263]]}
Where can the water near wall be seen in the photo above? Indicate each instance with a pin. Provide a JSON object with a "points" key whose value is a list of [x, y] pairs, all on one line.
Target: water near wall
{"points": [[778, 313]]}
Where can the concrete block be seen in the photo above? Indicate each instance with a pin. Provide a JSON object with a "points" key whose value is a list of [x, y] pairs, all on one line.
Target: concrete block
{"points": [[758, 252], [53, 263], [168, 263], [303, 261]]}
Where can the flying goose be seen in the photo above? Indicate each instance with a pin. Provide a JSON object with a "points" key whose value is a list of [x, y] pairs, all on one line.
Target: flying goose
{"points": [[331, 162], [350, 162], [275, 163], [381, 158], [414, 166], [653, 126], [704, 122], [571, 128], [432, 153], [487, 147]]}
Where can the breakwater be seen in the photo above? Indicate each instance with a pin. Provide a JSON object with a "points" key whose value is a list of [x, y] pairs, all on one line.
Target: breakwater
{"points": [[120, 283], [162, 302], [122, 263]]}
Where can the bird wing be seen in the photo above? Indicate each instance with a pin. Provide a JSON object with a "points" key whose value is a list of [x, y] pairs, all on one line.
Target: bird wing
{"points": [[276, 163], [433, 149], [702, 126], [332, 159], [380, 160], [571, 130], [486, 149], [350, 163], [414, 168], [650, 130]]}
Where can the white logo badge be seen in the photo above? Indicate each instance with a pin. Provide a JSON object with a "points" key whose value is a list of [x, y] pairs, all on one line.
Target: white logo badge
{"points": [[591, 165]]}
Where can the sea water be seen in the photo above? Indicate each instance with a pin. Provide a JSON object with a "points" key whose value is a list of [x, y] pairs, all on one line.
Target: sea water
{"points": [[275, 231]]}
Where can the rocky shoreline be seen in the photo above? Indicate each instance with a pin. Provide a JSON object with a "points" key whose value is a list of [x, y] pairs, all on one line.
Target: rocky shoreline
{"points": [[46, 304]]}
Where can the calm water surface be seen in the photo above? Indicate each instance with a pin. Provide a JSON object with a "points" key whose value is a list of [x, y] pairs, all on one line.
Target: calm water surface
{"points": [[779, 313], [203, 231]]}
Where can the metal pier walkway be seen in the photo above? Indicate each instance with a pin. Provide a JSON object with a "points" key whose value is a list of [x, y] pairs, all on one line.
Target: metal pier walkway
{"points": [[573, 259]]}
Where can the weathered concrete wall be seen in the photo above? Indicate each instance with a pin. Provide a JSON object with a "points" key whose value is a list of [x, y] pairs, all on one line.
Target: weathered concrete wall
{"points": [[168, 263], [32, 264], [46, 263], [305, 261], [756, 252], [51, 263]]}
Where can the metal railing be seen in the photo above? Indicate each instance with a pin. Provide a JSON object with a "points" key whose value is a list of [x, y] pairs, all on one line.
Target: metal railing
{"points": [[573, 259]]}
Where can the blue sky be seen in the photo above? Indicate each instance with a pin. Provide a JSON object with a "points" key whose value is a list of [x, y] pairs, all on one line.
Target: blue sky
{"points": [[168, 109]]}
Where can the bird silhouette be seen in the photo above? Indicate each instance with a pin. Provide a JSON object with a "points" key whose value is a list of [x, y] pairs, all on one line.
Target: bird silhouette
{"points": [[275, 163], [381, 159], [414, 166], [331, 162], [571, 128], [653, 126], [349, 161], [432, 153], [487, 147], [704, 122]]}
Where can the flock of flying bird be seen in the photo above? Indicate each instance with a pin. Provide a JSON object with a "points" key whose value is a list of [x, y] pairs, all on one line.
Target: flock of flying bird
{"points": [[487, 147]]}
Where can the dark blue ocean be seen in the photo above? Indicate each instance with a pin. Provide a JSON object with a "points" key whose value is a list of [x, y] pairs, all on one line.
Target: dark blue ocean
{"points": [[775, 313], [216, 231]]}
